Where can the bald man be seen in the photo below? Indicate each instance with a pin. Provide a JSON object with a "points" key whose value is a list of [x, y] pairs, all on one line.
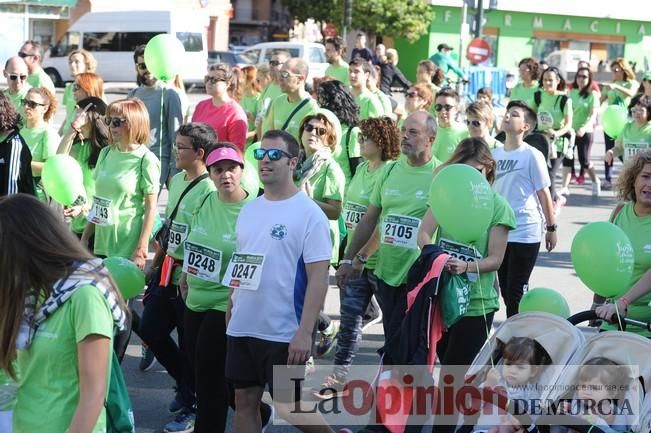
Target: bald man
{"points": [[16, 73], [288, 110]]}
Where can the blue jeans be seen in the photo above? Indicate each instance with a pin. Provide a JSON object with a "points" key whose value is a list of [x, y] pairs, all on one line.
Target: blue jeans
{"points": [[356, 299]]}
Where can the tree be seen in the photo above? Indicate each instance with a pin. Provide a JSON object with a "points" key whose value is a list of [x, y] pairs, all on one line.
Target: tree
{"points": [[394, 18]]}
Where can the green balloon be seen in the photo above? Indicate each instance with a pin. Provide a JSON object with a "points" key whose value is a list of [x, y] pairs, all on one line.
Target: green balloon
{"points": [[461, 200], [613, 120], [545, 300], [63, 179], [127, 276], [164, 56], [603, 257], [250, 180]]}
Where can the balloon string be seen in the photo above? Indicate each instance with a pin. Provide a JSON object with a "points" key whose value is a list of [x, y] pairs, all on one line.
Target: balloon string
{"points": [[619, 318], [483, 305], [160, 131]]}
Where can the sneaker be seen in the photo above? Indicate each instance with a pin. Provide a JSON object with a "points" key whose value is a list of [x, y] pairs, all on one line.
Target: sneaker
{"points": [[565, 191], [182, 423], [606, 185], [580, 180], [558, 205], [309, 366], [177, 403], [330, 388], [267, 414], [596, 188], [574, 179], [327, 340], [147, 360]]}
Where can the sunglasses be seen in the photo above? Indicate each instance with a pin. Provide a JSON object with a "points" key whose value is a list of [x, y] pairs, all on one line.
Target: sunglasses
{"points": [[276, 63], [446, 107], [32, 104], [14, 77], [274, 154], [582, 76], [475, 123], [115, 122], [23, 54], [212, 80], [286, 74], [320, 131], [142, 65], [411, 94]]}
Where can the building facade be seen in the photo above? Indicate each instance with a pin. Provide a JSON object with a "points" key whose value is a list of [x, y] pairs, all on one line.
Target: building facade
{"points": [[255, 21]]}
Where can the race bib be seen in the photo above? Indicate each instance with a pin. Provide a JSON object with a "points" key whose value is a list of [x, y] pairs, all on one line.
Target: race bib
{"points": [[178, 233], [545, 120], [463, 252], [632, 149], [101, 212], [202, 262], [353, 214], [400, 231], [244, 271]]}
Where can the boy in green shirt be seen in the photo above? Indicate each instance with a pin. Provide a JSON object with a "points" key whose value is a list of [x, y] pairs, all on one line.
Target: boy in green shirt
{"points": [[369, 105]]}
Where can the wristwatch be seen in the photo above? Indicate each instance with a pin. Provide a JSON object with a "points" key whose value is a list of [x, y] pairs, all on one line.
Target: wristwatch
{"points": [[362, 258], [551, 229], [345, 262]]}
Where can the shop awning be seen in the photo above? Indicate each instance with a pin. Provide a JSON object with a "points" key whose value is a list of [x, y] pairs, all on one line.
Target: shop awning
{"points": [[69, 3]]}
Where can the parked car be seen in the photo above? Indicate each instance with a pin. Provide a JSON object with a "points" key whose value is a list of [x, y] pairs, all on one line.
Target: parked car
{"points": [[312, 53], [228, 57], [112, 37]]}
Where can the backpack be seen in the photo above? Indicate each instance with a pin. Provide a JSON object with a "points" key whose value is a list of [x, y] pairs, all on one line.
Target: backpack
{"points": [[537, 98], [119, 413]]}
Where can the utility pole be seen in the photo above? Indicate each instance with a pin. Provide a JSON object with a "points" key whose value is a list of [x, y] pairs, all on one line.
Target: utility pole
{"points": [[348, 16], [479, 18], [464, 29]]}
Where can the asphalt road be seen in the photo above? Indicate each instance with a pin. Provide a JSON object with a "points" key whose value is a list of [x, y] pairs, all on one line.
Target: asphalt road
{"points": [[152, 391]]}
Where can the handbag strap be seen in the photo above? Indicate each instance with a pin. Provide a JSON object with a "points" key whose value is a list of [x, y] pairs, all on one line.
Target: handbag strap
{"points": [[293, 113], [185, 191]]}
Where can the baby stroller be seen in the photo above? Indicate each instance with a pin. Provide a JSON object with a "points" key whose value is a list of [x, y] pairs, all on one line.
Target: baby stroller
{"points": [[645, 419], [555, 335]]}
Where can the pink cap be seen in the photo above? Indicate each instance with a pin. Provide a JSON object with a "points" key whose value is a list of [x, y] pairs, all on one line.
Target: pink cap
{"points": [[224, 153]]}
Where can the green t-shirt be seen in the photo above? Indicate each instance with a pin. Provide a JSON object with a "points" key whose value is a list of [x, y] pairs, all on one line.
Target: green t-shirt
{"points": [[280, 110], [180, 227], [385, 102], [49, 373], [402, 193], [122, 179], [524, 93], [9, 385], [269, 93], [483, 297], [40, 79], [43, 142], [17, 99], [357, 199], [213, 228], [347, 148], [550, 116], [369, 105], [340, 72], [250, 105], [615, 97], [81, 152], [633, 139], [447, 139], [493, 143], [583, 108], [329, 183], [70, 104], [637, 229]]}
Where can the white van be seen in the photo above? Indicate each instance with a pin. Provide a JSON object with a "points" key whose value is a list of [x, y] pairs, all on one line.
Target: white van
{"points": [[113, 36], [312, 53]]}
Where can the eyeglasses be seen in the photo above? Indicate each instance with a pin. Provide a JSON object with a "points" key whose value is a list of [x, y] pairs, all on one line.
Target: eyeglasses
{"points": [[411, 94], [115, 122], [638, 110], [142, 66], [286, 74], [179, 148], [276, 63], [582, 76], [14, 77], [32, 104], [274, 154], [475, 123], [76, 87], [23, 54], [446, 107], [212, 80], [320, 131]]}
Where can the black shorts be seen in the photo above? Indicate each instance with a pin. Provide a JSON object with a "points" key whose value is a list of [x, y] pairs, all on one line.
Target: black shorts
{"points": [[250, 362]]}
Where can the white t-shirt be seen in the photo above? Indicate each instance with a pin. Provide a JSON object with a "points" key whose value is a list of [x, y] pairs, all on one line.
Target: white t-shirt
{"points": [[520, 174], [290, 233]]}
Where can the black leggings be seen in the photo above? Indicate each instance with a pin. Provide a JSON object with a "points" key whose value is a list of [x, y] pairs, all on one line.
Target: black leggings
{"points": [[518, 263], [610, 143], [555, 164], [205, 346], [583, 147]]}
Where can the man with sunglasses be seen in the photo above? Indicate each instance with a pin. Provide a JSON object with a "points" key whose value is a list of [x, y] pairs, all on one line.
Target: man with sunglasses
{"points": [[17, 86], [450, 132], [271, 90], [32, 53], [283, 239], [165, 114], [288, 109]]}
